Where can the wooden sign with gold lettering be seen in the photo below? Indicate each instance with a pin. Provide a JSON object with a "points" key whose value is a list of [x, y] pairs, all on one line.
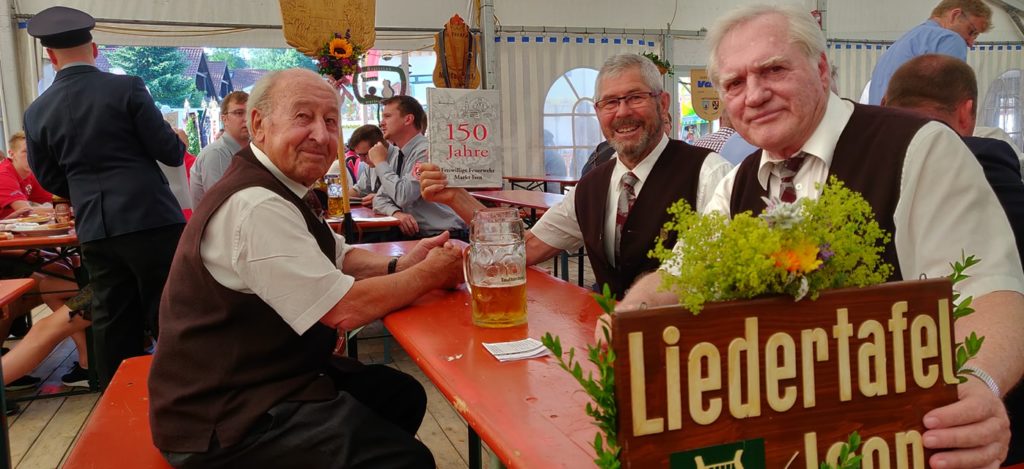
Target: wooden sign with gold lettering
{"points": [[309, 24], [703, 95], [788, 379]]}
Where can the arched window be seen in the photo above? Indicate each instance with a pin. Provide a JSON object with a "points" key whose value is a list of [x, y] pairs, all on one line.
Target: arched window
{"points": [[571, 130], [1003, 107]]}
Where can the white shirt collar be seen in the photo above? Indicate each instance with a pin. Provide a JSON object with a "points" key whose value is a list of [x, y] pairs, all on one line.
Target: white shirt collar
{"points": [[822, 143], [296, 187], [642, 169]]}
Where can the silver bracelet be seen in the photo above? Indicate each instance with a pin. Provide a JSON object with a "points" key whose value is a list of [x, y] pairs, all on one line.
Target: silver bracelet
{"points": [[984, 377]]}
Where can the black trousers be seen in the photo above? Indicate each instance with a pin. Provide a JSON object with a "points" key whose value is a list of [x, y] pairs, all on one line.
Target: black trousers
{"points": [[127, 274], [371, 424]]}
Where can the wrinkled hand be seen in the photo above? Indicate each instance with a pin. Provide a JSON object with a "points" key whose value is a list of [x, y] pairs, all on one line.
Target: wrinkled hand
{"points": [[420, 251], [975, 430], [377, 154], [406, 223], [445, 262], [434, 184], [368, 200]]}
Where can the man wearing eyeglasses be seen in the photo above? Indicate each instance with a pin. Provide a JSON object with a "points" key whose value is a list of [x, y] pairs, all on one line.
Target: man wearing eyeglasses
{"points": [[215, 158], [952, 28], [611, 211]]}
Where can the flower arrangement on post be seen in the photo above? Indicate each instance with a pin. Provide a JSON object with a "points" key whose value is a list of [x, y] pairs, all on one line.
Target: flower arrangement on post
{"points": [[663, 65], [339, 58]]}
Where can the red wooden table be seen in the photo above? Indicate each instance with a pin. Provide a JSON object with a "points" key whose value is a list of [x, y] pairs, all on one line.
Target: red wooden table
{"points": [[366, 220], [532, 183], [529, 412], [10, 290], [29, 242]]}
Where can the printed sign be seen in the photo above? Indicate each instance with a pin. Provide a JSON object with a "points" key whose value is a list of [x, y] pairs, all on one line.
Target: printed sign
{"points": [[465, 135], [703, 95], [799, 375]]}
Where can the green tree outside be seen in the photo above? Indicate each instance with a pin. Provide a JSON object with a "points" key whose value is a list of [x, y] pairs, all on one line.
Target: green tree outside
{"points": [[279, 59], [161, 69], [232, 56]]}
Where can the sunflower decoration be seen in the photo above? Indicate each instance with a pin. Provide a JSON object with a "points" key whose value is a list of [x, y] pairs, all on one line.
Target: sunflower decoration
{"points": [[339, 58]]}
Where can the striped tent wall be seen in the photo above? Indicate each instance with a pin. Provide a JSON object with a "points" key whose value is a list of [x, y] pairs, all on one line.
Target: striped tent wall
{"points": [[527, 65]]}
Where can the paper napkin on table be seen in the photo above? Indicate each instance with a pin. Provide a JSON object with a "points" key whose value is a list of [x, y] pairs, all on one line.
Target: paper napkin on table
{"points": [[517, 350]]}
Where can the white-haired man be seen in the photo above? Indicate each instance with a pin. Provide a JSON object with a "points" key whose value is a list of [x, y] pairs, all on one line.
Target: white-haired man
{"points": [[922, 182]]}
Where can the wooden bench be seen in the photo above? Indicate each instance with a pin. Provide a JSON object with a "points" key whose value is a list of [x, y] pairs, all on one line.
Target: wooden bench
{"points": [[117, 433]]}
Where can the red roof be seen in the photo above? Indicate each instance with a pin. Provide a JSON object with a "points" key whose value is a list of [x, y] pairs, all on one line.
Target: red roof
{"points": [[193, 56]]}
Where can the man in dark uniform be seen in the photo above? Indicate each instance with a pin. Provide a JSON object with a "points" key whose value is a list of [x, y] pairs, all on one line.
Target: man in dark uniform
{"points": [[96, 138]]}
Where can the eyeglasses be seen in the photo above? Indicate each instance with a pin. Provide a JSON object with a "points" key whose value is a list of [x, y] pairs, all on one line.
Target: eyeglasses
{"points": [[237, 112], [972, 30], [634, 101]]}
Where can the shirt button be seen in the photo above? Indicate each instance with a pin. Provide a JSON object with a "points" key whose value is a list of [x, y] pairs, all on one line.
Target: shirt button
{"points": [[799, 187]]}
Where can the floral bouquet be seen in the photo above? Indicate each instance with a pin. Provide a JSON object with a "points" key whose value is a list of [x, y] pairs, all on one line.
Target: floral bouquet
{"points": [[798, 249], [339, 58]]}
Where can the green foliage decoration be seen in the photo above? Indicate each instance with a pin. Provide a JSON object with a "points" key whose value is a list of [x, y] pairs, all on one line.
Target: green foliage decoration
{"points": [[797, 249], [848, 458], [602, 390], [971, 345]]}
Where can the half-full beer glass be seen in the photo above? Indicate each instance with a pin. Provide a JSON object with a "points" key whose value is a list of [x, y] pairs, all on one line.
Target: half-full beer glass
{"points": [[495, 265]]}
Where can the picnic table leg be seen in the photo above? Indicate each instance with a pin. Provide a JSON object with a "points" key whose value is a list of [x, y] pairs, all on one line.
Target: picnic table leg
{"points": [[5, 442], [475, 461], [564, 258]]}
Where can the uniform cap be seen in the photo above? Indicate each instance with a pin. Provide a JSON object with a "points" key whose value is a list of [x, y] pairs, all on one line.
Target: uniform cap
{"points": [[61, 27]]}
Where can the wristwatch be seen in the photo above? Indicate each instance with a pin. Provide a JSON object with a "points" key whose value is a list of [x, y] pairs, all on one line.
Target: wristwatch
{"points": [[393, 265]]}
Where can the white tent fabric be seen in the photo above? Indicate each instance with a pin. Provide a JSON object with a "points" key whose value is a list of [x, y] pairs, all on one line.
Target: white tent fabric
{"points": [[856, 61], [528, 64]]}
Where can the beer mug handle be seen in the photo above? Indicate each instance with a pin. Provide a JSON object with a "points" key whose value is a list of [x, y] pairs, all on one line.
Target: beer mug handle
{"points": [[466, 269]]}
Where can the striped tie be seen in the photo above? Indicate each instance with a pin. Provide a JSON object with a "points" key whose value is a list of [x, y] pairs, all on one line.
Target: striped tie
{"points": [[626, 199], [787, 172]]}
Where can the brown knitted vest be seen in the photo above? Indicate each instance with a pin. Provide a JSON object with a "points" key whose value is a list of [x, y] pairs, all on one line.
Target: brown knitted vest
{"points": [[225, 357]]}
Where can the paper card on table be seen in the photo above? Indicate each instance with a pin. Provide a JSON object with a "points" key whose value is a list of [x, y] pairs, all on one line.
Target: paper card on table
{"points": [[517, 350], [465, 135]]}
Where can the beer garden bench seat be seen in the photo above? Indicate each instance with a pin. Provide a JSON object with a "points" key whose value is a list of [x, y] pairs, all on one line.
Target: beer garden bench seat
{"points": [[117, 433]]}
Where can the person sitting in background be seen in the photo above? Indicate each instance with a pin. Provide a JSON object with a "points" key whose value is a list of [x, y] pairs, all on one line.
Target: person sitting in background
{"points": [[944, 88], [19, 190], [714, 141], [213, 160], [403, 122], [362, 139]]}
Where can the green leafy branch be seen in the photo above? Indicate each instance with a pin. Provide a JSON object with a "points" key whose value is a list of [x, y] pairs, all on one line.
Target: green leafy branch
{"points": [[602, 390], [848, 459], [971, 345]]}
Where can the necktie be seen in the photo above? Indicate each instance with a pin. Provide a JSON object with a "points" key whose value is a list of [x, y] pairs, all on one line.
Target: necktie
{"points": [[627, 196], [787, 172], [314, 204]]}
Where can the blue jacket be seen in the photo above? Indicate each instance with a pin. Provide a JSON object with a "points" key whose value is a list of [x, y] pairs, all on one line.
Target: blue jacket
{"points": [[95, 138]]}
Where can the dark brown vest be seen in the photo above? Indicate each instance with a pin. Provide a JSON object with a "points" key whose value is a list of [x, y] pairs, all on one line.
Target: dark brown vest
{"points": [[868, 158], [675, 176], [225, 357]]}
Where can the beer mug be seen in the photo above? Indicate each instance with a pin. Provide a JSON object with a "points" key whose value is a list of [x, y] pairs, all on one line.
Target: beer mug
{"points": [[334, 195], [495, 268]]}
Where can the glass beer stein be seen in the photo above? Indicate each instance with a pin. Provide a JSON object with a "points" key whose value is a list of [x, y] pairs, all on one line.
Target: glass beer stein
{"points": [[495, 267], [334, 196]]}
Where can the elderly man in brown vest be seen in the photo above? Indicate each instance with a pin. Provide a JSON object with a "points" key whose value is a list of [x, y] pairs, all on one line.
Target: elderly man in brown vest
{"points": [[922, 182], [259, 292], [609, 211]]}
